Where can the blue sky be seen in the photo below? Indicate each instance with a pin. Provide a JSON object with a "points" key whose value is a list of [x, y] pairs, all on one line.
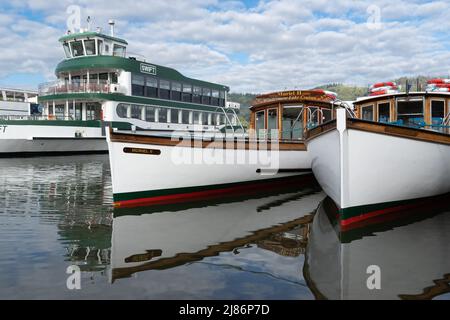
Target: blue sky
{"points": [[252, 46]]}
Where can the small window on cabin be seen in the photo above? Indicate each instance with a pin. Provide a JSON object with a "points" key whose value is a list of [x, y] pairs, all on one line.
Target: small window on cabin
{"points": [[174, 116], [100, 47], [367, 113], [118, 51], [260, 124], [164, 89], [106, 48], [272, 123], [206, 96], [187, 93], [77, 48], [151, 89], [90, 47], [67, 50], [137, 85], [114, 77], [121, 110], [149, 114], [136, 112], [162, 115], [185, 117], [222, 98], [198, 117], [410, 113], [215, 98], [326, 115], [437, 112], [383, 112], [197, 93], [176, 91]]}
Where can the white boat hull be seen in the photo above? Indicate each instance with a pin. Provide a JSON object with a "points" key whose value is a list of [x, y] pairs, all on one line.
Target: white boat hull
{"points": [[358, 168], [21, 140], [180, 173]]}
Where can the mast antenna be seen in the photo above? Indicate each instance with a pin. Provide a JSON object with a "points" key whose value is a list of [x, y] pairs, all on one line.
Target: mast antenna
{"points": [[112, 23]]}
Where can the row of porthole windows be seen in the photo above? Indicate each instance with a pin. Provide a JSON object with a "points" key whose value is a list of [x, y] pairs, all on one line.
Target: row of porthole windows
{"points": [[170, 115]]}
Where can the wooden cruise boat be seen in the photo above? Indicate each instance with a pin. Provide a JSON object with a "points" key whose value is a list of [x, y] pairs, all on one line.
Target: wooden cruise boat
{"points": [[151, 169], [392, 149]]}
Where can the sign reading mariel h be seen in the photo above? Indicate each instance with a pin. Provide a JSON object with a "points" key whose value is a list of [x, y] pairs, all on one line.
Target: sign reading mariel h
{"points": [[148, 68]]}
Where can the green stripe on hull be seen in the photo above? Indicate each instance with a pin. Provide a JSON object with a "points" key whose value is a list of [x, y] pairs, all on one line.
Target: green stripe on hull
{"points": [[165, 192]]}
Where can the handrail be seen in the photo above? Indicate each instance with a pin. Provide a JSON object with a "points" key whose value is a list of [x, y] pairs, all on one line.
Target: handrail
{"points": [[228, 119], [346, 107]]}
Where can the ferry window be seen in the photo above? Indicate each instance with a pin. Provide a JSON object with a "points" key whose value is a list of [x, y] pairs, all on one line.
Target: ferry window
{"points": [[137, 85], [176, 91], [121, 110], [67, 50], [151, 87], [114, 77], [222, 98], [185, 117], [100, 47], [135, 112], [272, 123], [383, 112], [410, 113], [93, 77], [150, 114], [118, 51], [106, 48], [315, 116], [367, 113], [215, 98], [196, 97], [174, 116], [187, 93], [103, 76], [162, 115], [437, 111], [77, 48], [198, 118], [90, 47], [206, 96], [164, 89], [292, 123]]}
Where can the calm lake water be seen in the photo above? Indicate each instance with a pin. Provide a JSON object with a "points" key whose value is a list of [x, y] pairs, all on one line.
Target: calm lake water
{"points": [[56, 213]]}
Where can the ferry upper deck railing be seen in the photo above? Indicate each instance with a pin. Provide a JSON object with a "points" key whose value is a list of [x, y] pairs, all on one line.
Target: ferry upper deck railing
{"points": [[83, 86]]}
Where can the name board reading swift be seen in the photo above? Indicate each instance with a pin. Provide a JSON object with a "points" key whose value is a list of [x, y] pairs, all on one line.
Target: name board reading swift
{"points": [[148, 68]]}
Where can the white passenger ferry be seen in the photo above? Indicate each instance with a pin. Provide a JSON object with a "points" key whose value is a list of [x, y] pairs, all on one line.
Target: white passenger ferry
{"points": [[18, 102], [99, 84]]}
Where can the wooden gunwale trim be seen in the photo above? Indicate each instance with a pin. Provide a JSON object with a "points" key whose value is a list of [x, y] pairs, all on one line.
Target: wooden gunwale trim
{"points": [[382, 128], [320, 130], [398, 131], [197, 143]]}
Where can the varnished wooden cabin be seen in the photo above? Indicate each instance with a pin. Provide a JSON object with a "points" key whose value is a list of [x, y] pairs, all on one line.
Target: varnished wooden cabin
{"points": [[290, 113], [427, 110]]}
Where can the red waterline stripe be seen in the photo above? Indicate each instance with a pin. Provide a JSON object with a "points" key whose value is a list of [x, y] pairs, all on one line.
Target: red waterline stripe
{"points": [[380, 215], [216, 193]]}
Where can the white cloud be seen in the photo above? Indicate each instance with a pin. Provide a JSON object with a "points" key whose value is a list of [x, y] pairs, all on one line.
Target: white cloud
{"points": [[287, 43]]}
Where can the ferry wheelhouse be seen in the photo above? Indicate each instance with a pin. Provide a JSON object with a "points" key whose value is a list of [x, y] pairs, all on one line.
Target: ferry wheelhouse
{"points": [[395, 148], [154, 169], [100, 84]]}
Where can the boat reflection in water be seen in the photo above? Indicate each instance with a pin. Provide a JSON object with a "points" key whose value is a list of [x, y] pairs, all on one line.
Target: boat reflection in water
{"points": [[175, 236], [412, 253]]}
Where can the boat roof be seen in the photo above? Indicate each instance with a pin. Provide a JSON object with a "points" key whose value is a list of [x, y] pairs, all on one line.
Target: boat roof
{"points": [[361, 100], [292, 97]]}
